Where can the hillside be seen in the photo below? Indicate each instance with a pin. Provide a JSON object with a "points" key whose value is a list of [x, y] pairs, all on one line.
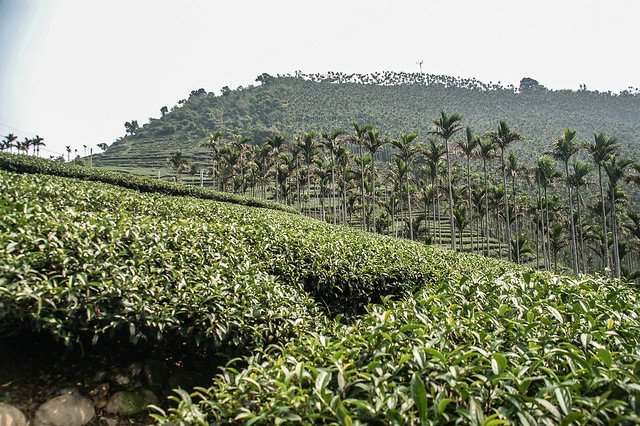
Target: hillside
{"points": [[319, 323], [392, 102]]}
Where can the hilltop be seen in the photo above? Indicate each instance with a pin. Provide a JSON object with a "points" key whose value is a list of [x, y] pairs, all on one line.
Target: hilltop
{"points": [[392, 102]]}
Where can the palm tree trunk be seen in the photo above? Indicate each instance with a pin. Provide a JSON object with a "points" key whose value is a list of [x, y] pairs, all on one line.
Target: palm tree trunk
{"points": [[308, 200], [373, 191], [614, 230], [574, 246], [433, 200], [363, 204], [580, 232], [486, 203], [469, 196], [298, 181], [451, 223], [546, 202], [344, 195], [540, 230], [500, 231], [409, 208], [439, 222], [506, 204], [333, 190], [515, 217], [426, 220], [604, 221]]}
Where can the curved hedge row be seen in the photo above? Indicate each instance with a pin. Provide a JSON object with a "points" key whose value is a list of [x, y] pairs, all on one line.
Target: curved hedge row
{"points": [[27, 164], [84, 259]]}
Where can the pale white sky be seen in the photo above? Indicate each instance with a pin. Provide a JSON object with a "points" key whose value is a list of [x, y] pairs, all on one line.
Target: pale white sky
{"points": [[73, 71]]}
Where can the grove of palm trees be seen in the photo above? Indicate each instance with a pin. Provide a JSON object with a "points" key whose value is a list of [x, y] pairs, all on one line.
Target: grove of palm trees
{"points": [[572, 209]]}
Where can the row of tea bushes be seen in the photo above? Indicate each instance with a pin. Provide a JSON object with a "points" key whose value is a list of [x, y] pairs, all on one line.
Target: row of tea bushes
{"points": [[500, 349], [85, 259], [26, 164]]}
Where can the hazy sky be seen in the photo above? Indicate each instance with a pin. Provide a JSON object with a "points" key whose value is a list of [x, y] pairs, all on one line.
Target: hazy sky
{"points": [[74, 71]]}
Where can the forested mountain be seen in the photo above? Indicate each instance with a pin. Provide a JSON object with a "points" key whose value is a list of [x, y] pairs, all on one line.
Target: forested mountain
{"points": [[394, 103]]}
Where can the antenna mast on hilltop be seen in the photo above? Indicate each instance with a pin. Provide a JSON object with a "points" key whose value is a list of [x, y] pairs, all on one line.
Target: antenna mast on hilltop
{"points": [[420, 63]]}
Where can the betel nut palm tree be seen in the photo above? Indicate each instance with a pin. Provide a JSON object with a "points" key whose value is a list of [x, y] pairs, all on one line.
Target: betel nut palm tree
{"points": [[407, 150], [445, 127], [332, 142], [503, 137], [563, 149], [600, 151]]}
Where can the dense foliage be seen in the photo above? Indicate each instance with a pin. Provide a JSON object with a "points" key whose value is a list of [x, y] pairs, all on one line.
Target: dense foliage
{"points": [[499, 349], [277, 141], [450, 337], [393, 103], [85, 257], [25, 164]]}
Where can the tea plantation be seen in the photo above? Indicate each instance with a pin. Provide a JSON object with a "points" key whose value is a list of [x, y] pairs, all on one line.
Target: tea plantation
{"points": [[327, 325]]}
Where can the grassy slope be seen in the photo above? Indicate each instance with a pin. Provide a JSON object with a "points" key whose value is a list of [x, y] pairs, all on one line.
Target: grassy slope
{"points": [[478, 339]]}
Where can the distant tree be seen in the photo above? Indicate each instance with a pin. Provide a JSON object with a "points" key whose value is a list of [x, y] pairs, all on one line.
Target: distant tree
{"points": [[309, 150], [407, 150], [214, 143], [468, 145], [332, 142], [37, 142], [634, 178], [197, 93], [240, 143], [264, 78], [25, 145], [360, 136], [225, 91], [577, 180], [545, 175], [68, 148], [373, 142], [9, 142], [615, 170], [164, 110], [103, 146], [528, 84], [276, 144], [513, 169], [433, 154], [178, 163], [131, 127]]}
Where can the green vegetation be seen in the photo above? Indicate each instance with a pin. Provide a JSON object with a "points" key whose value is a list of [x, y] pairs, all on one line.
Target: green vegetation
{"points": [[288, 140], [145, 260], [333, 325], [24, 164], [499, 349], [83, 260], [330, 324]]}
